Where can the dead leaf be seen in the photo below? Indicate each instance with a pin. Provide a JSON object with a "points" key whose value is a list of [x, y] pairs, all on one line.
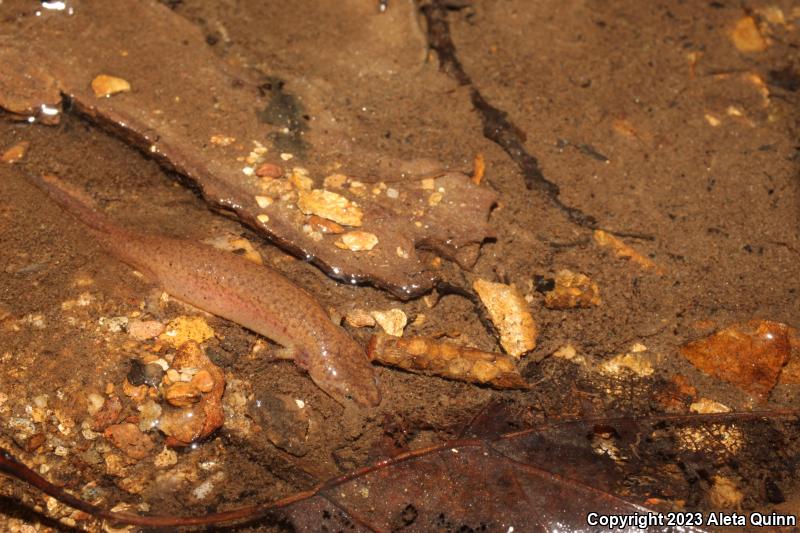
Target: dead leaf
{"points": [[750, 355]]}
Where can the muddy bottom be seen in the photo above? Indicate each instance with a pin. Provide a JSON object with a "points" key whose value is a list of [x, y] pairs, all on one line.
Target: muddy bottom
{"points": [[671, 127]]}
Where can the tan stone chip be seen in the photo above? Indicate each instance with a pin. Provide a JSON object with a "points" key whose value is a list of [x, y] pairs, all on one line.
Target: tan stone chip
{"points": [[330, 205], [509, 313]]}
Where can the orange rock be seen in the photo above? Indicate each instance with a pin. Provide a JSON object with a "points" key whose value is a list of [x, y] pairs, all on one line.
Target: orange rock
{"points": [[791, 372], [203, 381], [188, 424], [676, 395], [750, 355], [108, 414], [15, 153], [572, 290], [182, 394], [747, 37], [129, 440]]}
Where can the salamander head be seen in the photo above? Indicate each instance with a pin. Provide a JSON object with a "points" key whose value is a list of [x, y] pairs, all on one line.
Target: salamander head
{"points": [[345, 374]]}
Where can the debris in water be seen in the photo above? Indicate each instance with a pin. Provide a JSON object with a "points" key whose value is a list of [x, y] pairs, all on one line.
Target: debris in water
{"points": [[706, 406], [269, 170], [222, 140], [725, 494], [424, 355], [623, 250], [632, 361], [237, 245], [479, 168], [145, 329]]}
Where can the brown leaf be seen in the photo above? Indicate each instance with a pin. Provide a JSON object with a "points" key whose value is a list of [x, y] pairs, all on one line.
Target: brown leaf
{"points": [[749, 355]]}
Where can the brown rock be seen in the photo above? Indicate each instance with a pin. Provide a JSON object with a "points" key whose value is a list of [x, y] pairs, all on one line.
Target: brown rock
{"points": [[182, 394], [129, 440], [197, 421], [269, 170], [48, 56], [750, 355], [791, 372], [142, 330], [134, 392], [34, 442], [284, 421], [203, 381], [572, 290], [108, 414]]}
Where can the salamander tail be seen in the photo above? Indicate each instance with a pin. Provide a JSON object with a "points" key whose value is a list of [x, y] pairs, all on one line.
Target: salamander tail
{"points": [[74, 201]]}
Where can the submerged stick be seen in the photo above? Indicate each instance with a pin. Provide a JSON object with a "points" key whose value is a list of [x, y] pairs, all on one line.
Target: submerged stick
{"points": [[423, 355]]}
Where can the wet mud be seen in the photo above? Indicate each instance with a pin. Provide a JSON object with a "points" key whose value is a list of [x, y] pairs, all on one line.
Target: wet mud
{"points": [[510, 131]]}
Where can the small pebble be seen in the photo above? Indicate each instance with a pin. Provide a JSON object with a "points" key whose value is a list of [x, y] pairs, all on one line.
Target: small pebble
{"points": [[392, 321], [105, 85], [203, 381], [142, 330], [15, 153], [269, 170], [182, 394], [357, 241], [165, 458]]}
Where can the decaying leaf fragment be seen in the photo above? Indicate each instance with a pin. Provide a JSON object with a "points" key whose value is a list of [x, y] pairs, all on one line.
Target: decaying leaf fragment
{"points": [[423, 355], [749, 355], [509, 313], [623, 250], [572, 290]]}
